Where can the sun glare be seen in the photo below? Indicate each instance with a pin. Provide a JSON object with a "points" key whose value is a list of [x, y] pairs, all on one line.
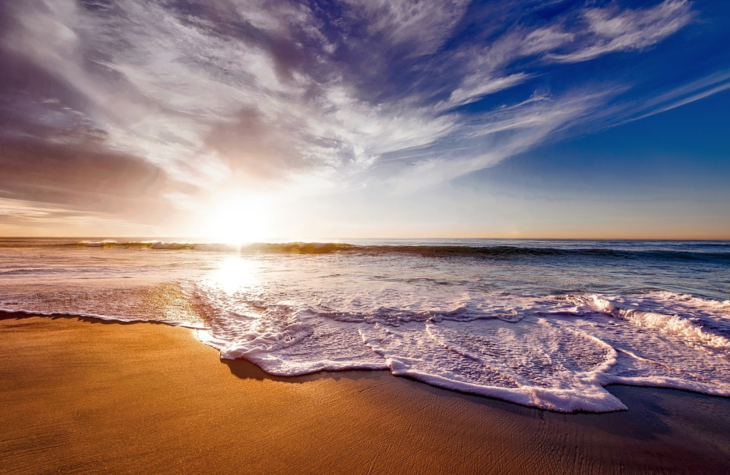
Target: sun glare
{"points": [[234, 274], [238, 219]]}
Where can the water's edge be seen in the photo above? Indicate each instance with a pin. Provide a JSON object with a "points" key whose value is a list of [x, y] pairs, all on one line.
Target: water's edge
{"points": [[18, 315]]}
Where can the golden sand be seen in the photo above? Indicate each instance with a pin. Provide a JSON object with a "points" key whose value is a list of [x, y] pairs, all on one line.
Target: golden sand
{"points": [[82, 396]]}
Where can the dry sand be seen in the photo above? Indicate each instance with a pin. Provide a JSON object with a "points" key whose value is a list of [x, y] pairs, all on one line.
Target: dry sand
{"points": [[79, 395]]}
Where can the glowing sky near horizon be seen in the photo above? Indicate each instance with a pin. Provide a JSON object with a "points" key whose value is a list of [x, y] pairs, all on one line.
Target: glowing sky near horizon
{"points": [[372, 118]]}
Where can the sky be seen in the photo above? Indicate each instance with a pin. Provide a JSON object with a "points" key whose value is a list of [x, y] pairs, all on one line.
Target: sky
{"points": [[240, 120]]}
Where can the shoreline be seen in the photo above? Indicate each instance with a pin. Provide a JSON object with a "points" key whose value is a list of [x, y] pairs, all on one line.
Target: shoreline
{"points": [[19, 315], [81, 394]]}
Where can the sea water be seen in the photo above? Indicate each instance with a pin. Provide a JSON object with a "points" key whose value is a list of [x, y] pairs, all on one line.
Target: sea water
{"points": [[544, 323]]}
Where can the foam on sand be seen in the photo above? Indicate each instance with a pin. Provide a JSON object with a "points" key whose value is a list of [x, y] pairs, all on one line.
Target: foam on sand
{"points": [[511, 322], [558, 355]]}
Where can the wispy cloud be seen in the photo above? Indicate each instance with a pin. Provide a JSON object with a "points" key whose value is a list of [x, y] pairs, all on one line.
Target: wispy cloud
{"points": [[298, 94], [420, 26], [505, 133], [680, 96], [612, 29]]}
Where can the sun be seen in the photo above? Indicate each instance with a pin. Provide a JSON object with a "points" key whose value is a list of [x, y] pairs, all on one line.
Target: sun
{"points": [[238, 219]]}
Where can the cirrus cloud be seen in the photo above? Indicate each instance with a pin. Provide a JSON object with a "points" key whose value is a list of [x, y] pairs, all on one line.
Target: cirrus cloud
{"points": [[324, 96]]}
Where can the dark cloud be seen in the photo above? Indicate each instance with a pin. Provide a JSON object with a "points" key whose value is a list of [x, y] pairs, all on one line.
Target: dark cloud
{"points": [[79, 174], [33, 101]]}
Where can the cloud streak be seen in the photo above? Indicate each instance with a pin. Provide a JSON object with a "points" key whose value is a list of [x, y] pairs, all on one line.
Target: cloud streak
{"points": [[289, 95], [612, 30]]}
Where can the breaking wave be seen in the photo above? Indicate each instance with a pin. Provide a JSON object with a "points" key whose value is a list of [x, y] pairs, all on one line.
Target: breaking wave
{"points": [[710, 252]]}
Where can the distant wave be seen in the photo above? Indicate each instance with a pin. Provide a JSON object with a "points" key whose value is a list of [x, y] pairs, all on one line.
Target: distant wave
{"points": [[714, 252], [517, 251], [144, 244], [264, 248]]}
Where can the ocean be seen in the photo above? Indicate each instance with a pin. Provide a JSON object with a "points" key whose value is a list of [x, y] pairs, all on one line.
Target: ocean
{"points": [[543, 323]]}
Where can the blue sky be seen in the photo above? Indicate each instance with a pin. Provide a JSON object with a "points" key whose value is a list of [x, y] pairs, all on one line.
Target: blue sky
{"points": [[365, 118]]}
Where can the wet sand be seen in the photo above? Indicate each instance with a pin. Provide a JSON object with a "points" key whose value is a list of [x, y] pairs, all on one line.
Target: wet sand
{"points": [[81, 395]]}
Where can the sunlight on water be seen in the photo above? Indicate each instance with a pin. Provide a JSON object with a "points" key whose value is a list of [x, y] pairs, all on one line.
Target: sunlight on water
{"points": [[543, 323], [234, 274]]}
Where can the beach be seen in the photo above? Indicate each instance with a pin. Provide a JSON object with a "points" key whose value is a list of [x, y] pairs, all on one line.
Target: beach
{"points": [[81, 395], [364, 237]]}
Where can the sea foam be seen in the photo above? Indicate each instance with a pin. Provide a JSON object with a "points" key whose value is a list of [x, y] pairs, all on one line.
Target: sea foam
{"points": [[540, 325], [554, 353]]}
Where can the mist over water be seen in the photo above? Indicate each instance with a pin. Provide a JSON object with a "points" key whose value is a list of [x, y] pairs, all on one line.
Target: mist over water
{"points": [[544, 323]]}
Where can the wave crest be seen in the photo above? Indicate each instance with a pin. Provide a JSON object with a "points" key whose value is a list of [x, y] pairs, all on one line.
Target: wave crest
{"points": [[435, 251]]}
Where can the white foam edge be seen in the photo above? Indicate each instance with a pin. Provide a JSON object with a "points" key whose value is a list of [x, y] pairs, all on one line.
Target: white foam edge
{"points": [[260, 359], [557, 400]]}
